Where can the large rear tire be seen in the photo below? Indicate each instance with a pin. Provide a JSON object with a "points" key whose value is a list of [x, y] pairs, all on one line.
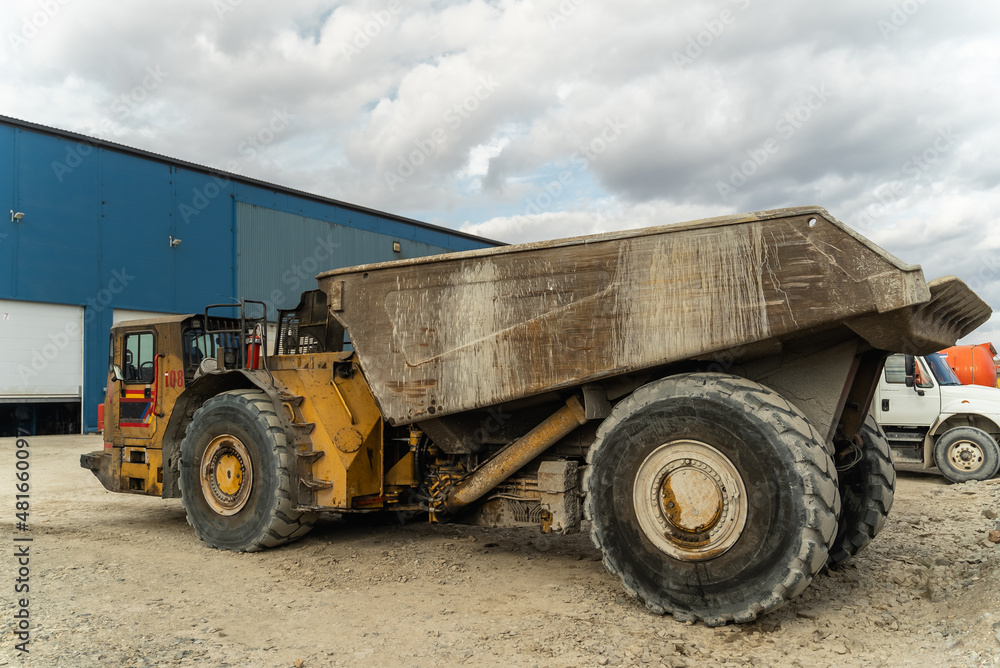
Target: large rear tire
{"points": [[711, 497], [866, 492], [235, 476]]}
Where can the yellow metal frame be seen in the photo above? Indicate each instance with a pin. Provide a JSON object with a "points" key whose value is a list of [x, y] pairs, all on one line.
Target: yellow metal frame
{"points": [[337, 427], [348, 426]]}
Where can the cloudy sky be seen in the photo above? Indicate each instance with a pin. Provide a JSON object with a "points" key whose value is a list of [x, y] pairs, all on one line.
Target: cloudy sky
{"points": [[531, 119]]}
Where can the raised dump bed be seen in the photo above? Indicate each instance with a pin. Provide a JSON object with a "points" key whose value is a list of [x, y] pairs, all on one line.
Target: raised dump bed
{"points": [[451, 333]]}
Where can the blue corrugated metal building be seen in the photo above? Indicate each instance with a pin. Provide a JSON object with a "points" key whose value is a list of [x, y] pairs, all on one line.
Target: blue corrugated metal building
{"points": [[99, 237]]}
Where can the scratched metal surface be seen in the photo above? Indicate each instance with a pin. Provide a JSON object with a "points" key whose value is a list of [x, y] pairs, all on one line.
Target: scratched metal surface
{"points": [[442, 335]]}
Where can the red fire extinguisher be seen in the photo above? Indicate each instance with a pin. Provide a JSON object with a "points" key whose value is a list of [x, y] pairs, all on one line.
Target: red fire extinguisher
{"points": [[253, 351]]}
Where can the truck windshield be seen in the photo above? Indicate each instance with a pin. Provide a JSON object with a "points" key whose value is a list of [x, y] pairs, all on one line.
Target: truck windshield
{"points": [[941, 370]]}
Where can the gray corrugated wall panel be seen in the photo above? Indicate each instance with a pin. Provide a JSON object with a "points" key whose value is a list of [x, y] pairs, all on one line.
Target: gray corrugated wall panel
{"points": [[279, 254]]}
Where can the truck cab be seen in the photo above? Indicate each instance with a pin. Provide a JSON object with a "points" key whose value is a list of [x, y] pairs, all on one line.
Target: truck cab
{"points": [[150, 363], [932, 420]]}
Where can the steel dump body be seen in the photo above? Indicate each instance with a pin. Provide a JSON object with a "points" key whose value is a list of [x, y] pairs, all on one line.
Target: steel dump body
{"points": [[462, 331]]}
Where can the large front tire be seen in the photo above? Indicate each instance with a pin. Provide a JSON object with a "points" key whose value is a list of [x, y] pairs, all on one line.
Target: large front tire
{"points": [[711, 497], [235, 476]]}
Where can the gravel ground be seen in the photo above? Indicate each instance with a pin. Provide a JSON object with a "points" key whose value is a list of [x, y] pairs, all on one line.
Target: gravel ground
{"points": [[121, 580]]}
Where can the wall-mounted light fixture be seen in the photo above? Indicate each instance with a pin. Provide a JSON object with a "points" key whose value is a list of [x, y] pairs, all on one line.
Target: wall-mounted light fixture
{"points": [[174, 242], [396, 248], [14, 217]]}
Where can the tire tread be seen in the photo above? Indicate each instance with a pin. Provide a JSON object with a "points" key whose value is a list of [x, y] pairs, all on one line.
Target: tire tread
{"points": [[812, 462], [284, 524], [867, 492]]}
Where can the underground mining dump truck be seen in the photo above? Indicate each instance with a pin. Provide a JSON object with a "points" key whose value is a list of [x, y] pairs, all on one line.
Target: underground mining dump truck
{"points": [[699, 392]]}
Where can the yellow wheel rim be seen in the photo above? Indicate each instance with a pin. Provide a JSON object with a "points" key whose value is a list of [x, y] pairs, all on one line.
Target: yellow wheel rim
{"points": [[229, 474], [226, 474]]}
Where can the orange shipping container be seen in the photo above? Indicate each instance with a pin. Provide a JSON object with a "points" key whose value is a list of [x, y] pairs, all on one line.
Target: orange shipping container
{"points": [[974, 365]]}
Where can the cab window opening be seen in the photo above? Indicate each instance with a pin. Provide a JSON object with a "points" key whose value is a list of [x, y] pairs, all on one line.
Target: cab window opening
{"points": [[138, 353]]}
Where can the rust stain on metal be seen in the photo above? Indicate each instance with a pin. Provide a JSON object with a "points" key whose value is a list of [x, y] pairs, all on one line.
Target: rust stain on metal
{"points": [[691, 501]]}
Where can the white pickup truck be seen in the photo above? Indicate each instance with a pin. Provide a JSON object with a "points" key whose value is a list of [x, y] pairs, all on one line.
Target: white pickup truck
{"points": [[930, 419]]}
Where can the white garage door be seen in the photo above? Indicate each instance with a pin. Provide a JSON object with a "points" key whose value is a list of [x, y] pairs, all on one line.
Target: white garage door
{"points": [[41, 351], [121, 315]]}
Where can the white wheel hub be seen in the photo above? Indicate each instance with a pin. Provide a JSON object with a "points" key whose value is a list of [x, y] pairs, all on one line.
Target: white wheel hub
{"points": [[965, 456], [690, 500]]}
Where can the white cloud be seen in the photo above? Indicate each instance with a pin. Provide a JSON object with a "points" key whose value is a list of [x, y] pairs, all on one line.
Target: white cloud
{"points": [[608, 215], [478, 107]]}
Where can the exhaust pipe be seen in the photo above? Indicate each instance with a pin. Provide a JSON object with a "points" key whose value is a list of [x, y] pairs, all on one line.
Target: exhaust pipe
{"points": [[510, 459]]}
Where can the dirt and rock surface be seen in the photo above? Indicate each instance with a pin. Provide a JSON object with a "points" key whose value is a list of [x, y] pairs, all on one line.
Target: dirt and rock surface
{"points": [[120, 580]]}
